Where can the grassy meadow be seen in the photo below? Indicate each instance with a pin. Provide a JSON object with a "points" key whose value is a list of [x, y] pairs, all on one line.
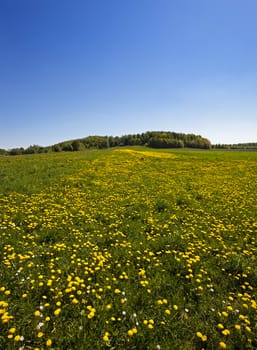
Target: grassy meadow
{"points": [[128, 248]]}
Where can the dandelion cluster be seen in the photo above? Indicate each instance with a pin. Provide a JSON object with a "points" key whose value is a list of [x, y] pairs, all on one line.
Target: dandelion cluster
{"points": [[128, 249]]}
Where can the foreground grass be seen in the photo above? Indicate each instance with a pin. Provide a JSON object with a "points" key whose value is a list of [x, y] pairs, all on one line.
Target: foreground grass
{"points": [[128, 249]]}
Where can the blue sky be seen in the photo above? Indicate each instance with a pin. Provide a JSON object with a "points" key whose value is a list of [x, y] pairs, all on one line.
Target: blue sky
{"points": [[69, 69]]}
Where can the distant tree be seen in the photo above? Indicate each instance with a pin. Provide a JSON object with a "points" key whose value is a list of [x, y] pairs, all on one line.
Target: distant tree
{"points": [[56, 148], [77, 145], [34, 149], [16, 151], [158, 141], [67, 147]]}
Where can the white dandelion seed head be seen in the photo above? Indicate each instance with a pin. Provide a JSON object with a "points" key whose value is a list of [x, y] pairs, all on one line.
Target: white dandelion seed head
{"points": [[41, 324]]}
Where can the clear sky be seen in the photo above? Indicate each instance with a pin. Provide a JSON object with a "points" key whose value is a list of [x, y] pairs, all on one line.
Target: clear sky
{"points": [[73, 68]]}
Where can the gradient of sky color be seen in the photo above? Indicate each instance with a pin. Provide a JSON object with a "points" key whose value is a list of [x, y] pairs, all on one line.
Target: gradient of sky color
{"points": [[73, 68]]}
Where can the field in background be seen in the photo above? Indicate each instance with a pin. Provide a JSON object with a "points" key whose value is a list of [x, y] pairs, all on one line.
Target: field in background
{"points": [[129, 249]]}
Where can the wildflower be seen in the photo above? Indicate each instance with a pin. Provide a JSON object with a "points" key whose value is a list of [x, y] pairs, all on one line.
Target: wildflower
{"points": [[49, 342], [57, 312], [132, 331], [222, 345], [3, 304], [201, 336], [91, 315], [18, 338], [225, 332], [167, 312], [41, 324], [12, 330], [106, 337], [40, 334]]}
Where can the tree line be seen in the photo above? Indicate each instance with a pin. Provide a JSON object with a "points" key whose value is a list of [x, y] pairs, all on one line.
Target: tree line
{"points": [[240, 146], [153, 139]]}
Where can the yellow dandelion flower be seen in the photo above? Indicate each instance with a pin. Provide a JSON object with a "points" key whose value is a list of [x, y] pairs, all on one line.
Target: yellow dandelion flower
{"points": [[57, 312], [106, 337], [49, 342], [225, 332], [130, 333]]}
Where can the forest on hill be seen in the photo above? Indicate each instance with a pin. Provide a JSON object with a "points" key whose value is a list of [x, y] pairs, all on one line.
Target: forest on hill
{"points": [[154, 139]]}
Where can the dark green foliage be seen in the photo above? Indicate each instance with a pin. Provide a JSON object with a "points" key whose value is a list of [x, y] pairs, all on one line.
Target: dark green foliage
{"points": [[16, 151], [3, 152], [77, 145], [154, 139], [240, 146], [165, 142]]}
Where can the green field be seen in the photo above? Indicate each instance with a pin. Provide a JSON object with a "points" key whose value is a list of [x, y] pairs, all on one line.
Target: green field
{"points": [[129, 249]]}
